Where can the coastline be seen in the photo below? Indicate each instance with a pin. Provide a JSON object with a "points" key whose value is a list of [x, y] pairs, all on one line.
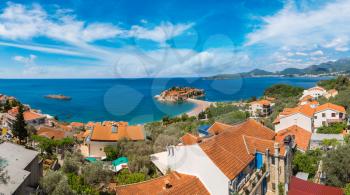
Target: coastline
{"points": [[201, 105]]}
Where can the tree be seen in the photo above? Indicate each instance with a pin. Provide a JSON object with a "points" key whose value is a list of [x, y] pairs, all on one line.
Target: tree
{"points": [[347, 189], [63, 187], [49, 182], [125, 177], [72, 163], [334, 128], [336, 164], [94, 174], [19, 126], [283, 91], [306, 162]]}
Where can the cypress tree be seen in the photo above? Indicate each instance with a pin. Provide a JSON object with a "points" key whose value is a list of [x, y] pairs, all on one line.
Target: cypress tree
{"points": [[19, 126]]}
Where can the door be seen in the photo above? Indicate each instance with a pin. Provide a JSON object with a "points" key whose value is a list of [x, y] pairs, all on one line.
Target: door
{"points": [[258, 160]]}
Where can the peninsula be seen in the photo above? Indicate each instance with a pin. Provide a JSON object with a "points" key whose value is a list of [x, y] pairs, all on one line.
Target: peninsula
{"points": [[58, 97], [179, 94]]}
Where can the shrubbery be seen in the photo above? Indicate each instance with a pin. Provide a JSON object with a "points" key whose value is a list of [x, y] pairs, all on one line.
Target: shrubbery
{"points": [[334, 128]]}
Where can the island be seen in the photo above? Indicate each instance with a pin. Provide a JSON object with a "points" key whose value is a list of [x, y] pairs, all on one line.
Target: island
{"points": [[180, 94], [58, 97]]}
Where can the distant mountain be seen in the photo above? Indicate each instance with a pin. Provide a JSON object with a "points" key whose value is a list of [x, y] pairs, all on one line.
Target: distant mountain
{"points": [[331, 67]]}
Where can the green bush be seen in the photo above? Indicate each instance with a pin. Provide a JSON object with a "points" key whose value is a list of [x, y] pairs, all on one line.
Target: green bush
{"points": [[125, 177], [283, 91], [334, 128]]}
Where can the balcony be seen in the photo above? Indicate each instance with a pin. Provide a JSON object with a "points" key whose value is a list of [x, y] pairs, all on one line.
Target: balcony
{"points": [[252, 182]]}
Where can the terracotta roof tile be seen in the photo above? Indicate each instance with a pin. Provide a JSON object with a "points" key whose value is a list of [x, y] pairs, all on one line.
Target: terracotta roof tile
{"points": [[76, 124], [104, 132], [330, 106], [256, 144], [189, 139], [51, 133], [179, 184], [262, 102], [228, 149], [302, 137]]}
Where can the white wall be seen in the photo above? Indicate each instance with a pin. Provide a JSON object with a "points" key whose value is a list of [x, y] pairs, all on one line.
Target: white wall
{"points": [[96, 149], [193, 160], [314, 93], [318, 119], [295, 119]]}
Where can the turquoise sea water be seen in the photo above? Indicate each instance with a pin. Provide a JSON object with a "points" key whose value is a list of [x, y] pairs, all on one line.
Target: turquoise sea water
{"points": [[130, 99]]}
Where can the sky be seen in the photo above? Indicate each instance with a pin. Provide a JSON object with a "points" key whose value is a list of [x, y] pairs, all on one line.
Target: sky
{"points": [[173, 38]]}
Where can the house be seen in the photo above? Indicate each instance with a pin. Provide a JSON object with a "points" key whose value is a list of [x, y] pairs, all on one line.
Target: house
{"points": [[52, 133], [310, 117], [172, 183], [301, 137], [30, 117], [109, 133], [241, 158], [189, 139], [318, 138], [328, 113], [315, 92], [331, 93], [260, 108], [23, 168], [77, 125], [301, 187], [301, 116]]}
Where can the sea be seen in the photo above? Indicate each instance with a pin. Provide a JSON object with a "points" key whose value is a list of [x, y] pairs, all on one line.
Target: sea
{"points": [[132, 100]]}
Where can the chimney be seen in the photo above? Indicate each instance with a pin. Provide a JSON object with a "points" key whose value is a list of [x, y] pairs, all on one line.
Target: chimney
{"points": [[167, 184]]}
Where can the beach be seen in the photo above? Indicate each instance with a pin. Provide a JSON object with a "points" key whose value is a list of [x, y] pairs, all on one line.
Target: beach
{"points": [[201, 105]]}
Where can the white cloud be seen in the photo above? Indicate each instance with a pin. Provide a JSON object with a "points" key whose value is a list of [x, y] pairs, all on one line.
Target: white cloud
{"points": [[160, 33], [317, 53], [294, 28], [26, 60], [20, 22]]}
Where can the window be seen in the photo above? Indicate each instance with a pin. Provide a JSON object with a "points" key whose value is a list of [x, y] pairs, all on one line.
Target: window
{"points": [[324, 123], [273, 187], [333, 114], [323, 115], [273, 160], [315, 117], [340, 115]]}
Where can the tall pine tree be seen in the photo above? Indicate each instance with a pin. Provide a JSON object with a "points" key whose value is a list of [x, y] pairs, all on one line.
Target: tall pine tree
{"points": [[19, 127]]}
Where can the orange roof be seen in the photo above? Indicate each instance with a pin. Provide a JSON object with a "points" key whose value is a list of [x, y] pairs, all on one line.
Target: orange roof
{"points": [[316, 88], [104, 132], [51, 133], [330, 106], [189, 139], [173, 183], [65, 127], [76, 124], [83, 134], [302, 137], [257, 144], [228, 149], [218, 127], [261, 102], [303, 109], [30, 115]]}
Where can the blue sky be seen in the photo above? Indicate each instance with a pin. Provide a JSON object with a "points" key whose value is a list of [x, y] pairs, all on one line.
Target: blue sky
{"points": [[124, 38]]}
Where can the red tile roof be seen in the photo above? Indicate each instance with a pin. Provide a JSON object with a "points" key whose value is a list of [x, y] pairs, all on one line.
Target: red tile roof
{"points": [[123, 130], [51, 133], [173, 183], [228, 149], [301, 187], [76, 124], [261, 102], [302, 137], [189, 139], [330, 106]]}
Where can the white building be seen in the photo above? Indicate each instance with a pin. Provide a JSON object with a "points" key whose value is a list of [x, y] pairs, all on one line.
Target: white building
{"points": [[260, 108], [229, 160], [23, 168], [310, 116], [328, 113], [318, 138], [301, 116], [315, 92]]}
